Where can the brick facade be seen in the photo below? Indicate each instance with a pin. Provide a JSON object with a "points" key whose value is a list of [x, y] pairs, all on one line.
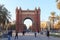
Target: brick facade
{"points": [[21, 15]]}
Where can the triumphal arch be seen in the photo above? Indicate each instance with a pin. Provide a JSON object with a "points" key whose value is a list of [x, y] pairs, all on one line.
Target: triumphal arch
{"points": [[22, 15]]}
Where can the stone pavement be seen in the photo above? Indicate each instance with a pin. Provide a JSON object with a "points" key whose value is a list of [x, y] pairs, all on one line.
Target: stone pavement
{"points": [[32, 37]]}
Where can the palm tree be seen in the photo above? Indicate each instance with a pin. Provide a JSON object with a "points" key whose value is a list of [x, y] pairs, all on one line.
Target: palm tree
{"points": [[4, 15], [58, 17], [58, 4], [57, 0]]}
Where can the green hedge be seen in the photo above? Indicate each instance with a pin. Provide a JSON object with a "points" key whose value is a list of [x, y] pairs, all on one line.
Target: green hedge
{"points": [[54, 35]]}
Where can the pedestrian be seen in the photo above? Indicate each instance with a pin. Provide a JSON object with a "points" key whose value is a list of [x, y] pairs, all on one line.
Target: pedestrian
{"points": [[48, 33], [9, 37], [16, 35], [23, 33], [38, 31], [35, 34], [9, 34], [42, 32]]}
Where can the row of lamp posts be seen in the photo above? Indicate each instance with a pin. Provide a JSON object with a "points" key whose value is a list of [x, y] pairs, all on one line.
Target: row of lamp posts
{"points": [[53, 17]]}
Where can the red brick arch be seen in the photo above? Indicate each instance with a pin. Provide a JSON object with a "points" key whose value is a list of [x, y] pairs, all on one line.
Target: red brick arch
{"points": [[21, 15]]}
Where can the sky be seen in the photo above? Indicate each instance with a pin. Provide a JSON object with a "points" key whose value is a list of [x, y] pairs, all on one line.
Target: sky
{"points": [[46, 7], [28, 24]]}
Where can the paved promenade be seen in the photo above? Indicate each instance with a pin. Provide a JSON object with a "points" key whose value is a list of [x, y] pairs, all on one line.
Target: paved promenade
{"points": [[32, 37]]}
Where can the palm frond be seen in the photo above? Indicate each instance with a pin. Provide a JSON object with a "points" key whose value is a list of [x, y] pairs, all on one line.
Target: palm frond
{"points": [[4, 13], [57, 0]]}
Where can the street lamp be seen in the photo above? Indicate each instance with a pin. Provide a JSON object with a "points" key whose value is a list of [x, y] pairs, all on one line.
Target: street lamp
{"points": [[48, 25], [52, 19]]}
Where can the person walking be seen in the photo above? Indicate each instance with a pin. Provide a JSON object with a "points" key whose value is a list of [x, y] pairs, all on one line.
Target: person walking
{"points": [[23, 33], [9, 34], [48, 33], [16, 35], [35, 34]]}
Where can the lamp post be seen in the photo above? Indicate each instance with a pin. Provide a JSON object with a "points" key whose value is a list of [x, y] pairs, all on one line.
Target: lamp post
{"points": [[52, 19], [48, 25]]}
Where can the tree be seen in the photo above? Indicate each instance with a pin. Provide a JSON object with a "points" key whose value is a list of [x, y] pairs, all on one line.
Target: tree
{"points": [[4, 15], [58, 4], [58, 17], [12, 27], [57, 0]]}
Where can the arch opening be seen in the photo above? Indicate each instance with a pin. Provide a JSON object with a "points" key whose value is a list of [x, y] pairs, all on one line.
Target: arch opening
{"points": [[28, 23]]}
